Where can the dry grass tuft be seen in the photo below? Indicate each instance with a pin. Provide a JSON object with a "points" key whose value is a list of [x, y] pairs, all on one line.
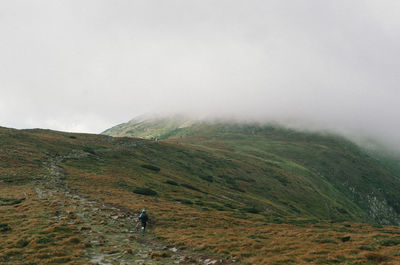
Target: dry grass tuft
{"points": [[72, 240], [60, 260], [162, 254], [376, 257]]}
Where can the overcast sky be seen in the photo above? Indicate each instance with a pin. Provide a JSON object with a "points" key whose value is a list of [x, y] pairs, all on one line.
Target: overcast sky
{"points": [[88, 65]]}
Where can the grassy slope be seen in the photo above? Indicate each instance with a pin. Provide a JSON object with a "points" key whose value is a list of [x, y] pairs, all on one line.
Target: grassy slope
{"points": [[31, 236], [148, 128], [211, 195], [312, 174]]}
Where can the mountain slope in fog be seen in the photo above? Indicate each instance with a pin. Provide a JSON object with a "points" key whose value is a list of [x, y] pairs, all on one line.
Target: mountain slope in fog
{"points": [[308, 174]]}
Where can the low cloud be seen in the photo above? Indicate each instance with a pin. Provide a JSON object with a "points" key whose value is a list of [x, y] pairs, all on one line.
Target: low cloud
{"points": [[88, 65]]}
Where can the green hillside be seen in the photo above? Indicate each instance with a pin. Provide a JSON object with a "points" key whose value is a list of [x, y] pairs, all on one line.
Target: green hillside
{"points": [[223, 192], [291, 172], [150, 127]]}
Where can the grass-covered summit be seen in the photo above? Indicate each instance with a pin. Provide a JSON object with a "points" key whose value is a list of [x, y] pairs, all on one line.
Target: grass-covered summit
{"points": [[150, 127]]}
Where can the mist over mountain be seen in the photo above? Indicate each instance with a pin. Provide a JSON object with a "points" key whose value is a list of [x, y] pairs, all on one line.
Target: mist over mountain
{"points": [[154, 125], [90, 65]]}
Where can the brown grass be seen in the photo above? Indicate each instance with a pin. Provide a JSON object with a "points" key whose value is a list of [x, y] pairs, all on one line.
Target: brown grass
{"points": [[32, 236], [250, 241]]}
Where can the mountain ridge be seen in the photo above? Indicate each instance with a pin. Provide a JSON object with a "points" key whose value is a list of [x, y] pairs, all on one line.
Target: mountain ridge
{"points": [[370, 186]]}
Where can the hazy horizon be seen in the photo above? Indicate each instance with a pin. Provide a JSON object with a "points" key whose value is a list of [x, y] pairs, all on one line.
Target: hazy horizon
{"points": [[89, 65]]}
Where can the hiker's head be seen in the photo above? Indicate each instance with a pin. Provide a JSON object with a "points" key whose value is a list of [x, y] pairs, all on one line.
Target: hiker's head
{"points": [[144, 210]]}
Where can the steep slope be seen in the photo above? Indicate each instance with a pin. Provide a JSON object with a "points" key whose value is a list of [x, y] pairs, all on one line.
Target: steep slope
{"points": [[308, 174]]}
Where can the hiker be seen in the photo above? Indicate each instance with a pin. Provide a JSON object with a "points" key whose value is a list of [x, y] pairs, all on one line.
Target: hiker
{"points": [[143, 218]]}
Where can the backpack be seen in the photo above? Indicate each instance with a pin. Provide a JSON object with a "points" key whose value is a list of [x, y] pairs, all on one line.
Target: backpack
{"points": [[143, 217]]}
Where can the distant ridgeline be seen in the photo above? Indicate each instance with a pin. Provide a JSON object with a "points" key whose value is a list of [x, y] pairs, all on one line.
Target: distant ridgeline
{"points": [[278, 171]]}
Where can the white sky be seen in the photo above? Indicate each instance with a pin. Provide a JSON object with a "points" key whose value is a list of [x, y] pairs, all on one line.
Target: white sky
{"points": [[88, 65]]}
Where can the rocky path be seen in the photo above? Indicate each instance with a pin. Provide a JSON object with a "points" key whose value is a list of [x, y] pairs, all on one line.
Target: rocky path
{"points": [[110, 234]]}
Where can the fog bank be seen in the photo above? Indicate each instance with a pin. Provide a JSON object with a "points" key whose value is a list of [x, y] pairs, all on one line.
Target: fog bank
{"points": [[88, 65]]}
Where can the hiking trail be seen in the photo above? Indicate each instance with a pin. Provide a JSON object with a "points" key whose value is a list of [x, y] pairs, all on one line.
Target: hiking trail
{"points": [[110, 234]]}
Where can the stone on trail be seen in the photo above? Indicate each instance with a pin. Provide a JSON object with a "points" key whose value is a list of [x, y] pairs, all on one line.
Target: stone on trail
{"points": [[143, 256]]}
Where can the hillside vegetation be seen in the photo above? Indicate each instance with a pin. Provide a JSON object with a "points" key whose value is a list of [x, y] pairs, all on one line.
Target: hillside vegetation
{"points": [[223, 192], [302, 174]]}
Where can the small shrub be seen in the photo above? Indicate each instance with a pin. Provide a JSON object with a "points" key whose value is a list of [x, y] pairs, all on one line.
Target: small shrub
{"points": [[345, 238], [230, 206], [18, 201], [257, 237], [4, 227], [369, 248], [217, 207], [250, 210], [89, 150], [171, 182], [377, 257], [237, 188], [283, 180], [10, 201], [189, 187], [41, 256], [4, 165], [72, 137], [21, 243], [11, 252], [145, 191], [44, 240], [184, 201], [73, 240], [62, 229], [207, 178], [390, 242], [199, 203], [228, 179], [150, 167], [342, 229], [277, 221], [9, 180], [302, 222], [325, 241], [249, 180]]}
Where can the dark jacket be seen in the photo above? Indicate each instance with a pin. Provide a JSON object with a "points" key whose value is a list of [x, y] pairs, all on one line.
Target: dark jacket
{"points": [[143, 217]]}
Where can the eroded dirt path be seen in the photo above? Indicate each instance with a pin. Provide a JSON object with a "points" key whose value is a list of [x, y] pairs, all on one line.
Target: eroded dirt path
{"points": [[109, 233]]}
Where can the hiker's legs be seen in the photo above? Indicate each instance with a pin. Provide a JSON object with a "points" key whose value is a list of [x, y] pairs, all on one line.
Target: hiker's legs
{"points": [[143, 228]]}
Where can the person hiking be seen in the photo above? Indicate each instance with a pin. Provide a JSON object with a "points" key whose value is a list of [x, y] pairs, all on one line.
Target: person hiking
{"points": [[143, 218]]}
